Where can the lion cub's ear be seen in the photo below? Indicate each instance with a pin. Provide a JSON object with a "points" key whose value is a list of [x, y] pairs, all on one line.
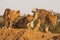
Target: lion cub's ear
{"points": [[18, 11], [34, 10], [28, 15]]}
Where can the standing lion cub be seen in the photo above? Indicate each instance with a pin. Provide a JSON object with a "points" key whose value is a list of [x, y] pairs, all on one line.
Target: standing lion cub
{"points": [[10, 16]]}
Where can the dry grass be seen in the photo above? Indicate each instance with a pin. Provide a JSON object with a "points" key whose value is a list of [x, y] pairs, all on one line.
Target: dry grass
{"points": [[25, 34]]}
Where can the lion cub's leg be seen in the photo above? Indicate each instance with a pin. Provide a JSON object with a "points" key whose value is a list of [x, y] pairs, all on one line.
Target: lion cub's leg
{"points": [[37, 25]]}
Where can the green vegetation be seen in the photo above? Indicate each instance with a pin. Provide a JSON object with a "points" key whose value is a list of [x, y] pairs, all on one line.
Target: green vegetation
{"points": [[1, 24]]}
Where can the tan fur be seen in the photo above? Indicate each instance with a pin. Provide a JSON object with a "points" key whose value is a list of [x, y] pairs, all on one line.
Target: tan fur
{"points": [[53, 19], [7, 16], [29, 17], [47, 29], [37, 25], [31, 24], [12, 15], [42, 13]]}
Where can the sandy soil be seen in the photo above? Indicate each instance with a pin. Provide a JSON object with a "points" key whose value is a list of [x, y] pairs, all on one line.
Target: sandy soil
{"points": [[26, 34]]}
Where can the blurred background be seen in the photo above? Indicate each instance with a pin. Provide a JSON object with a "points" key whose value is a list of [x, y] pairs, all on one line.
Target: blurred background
{"points": [[26, 6]]}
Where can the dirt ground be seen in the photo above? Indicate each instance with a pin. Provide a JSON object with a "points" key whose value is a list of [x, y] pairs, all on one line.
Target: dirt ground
{"points": [[26, 34]]}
